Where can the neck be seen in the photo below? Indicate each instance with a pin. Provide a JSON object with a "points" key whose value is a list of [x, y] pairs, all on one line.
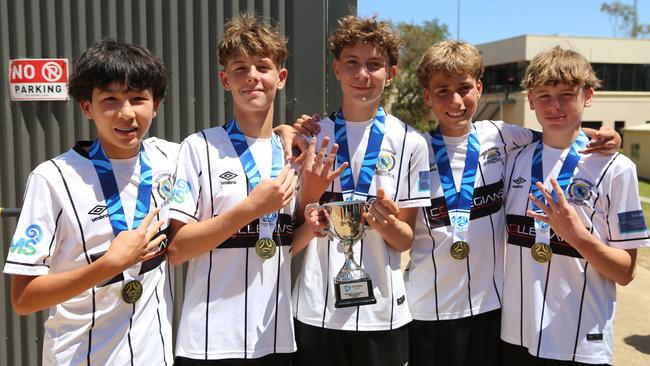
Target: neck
{"points": [[113, 152], [359, 113], [256, 124], [454, 132], [559, 140]]}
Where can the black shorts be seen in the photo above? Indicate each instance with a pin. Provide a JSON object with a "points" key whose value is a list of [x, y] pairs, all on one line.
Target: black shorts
{"points": [[470, 341], [274, 359], [332, 347], [514, 355]]}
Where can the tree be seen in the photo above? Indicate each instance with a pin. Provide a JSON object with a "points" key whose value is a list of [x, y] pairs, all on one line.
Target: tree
{"points": [[624, 19], [404, 98]]}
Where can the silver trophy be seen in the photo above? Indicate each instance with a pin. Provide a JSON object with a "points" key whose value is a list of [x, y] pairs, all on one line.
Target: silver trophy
{"points": [[352, 285]]}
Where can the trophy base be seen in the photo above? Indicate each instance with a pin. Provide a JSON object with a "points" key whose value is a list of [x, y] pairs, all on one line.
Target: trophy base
{"points": [[354, 293]]}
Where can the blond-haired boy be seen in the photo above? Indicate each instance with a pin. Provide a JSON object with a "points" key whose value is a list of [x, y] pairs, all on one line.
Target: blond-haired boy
{"points": [[560, 283], [388, 160], [232, 215]]}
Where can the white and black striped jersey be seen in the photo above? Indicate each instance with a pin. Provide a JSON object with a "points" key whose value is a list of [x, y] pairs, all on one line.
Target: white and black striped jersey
{"points": [[403, 174], [64, 225], [563, 309], [237, 305], [439, 287]]}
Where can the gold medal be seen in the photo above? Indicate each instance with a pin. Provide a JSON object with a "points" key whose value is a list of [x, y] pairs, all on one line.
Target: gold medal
{"points": [[131, 291], [459, 250], [541, 252], [265, 248]]}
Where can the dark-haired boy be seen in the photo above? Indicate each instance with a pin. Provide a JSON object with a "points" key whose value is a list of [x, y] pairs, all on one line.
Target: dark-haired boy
{"points": [[85, 245]]}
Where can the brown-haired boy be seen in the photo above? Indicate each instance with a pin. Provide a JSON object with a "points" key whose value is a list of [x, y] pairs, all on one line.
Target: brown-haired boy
{"points": [[455, 275], [388, 160], [231, 215], [560, 283]]}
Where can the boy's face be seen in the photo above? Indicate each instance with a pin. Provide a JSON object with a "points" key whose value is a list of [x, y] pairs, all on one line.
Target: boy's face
{"points": [[122, 118], [363, 72], [454, 100], [559, 107], [253, 81]]}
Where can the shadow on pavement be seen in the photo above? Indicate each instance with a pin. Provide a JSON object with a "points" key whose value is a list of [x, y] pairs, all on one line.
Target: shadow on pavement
{"points": [[640, 342]]}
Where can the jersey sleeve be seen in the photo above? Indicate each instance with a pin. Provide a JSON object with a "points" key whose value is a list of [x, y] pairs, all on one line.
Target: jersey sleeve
{"points": [[417, 192], [35, 239], [515, 136], [627, 226], [186, 195]]}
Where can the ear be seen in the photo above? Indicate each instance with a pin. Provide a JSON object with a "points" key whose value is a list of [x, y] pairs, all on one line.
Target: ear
{"points": [[336, 64], [224, 80], [156, 103], [426, 95], [589, 96], [392, 71], [85, 107], [479, 87], [530, 100], [282, 76]]}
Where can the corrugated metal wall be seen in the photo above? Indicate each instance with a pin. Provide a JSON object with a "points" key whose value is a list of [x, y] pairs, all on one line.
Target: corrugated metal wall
{"points": [[184, 34]]}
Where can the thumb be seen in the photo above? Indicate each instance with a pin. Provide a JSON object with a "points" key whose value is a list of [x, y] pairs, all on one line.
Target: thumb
{"points": [[381, 193]]}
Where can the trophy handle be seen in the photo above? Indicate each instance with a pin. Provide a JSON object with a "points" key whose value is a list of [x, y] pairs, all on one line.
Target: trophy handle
{"points": [[369, 203], [316, 206]]}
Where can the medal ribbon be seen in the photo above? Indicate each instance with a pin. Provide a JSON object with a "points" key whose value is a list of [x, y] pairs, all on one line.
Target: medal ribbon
{"points": [[459, 204], [367, 171], [238, 140], [114, 205], [542, 229]]}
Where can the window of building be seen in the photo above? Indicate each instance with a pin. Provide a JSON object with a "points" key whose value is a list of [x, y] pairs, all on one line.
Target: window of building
{"points": [[592, 124], [635, 151]]}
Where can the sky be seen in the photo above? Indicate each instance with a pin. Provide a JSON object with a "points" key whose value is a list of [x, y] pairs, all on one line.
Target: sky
{"points": [[483, 21]]}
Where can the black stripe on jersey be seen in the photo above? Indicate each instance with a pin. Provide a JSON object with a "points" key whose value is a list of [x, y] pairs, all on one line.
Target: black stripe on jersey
{"points": [[277, 301], [541, 318], [56, 226], [248, 184], [399, 173], [360, 264], [185, 213], [582, 300], [247, 236], [160, 331], [157, 148], [207, 293], [521, 232], [503, 140], [494, 244], [128, 334], [487, 201], [327, 287], [433, 259], [88, 261], [392, 291]]}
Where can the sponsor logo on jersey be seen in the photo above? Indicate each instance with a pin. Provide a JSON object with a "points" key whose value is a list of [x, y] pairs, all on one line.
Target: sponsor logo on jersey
{"points": [[27, 245], [164, 186], [99, 212], [228, 178], [518, 182], [180, 190], [631, 222], [487, 200], [579, 191], [424, 181], [491, 156], [385, 162]]}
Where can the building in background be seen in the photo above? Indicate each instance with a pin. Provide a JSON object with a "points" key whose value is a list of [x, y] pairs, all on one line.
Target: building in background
{"points": [[623, 65], [637, 147]]}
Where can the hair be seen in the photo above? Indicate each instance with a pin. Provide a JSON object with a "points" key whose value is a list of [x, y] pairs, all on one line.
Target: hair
{"points": [[559, 66], [353, 30], [451, 58], [108, 61], [249, 35]]}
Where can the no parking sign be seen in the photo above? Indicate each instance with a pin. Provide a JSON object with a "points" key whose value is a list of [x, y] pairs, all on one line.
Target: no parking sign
{"points": [[38, 79]]}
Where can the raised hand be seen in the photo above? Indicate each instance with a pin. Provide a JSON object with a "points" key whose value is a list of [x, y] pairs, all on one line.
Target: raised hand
{"points": [[605, 141], [308, 125], [317, 219], [132, 246], [562, 217], [294, 146], [271, 195], [316, 172]]}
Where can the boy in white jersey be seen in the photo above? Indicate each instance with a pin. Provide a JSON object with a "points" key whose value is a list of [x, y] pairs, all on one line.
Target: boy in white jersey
{"points": [[232, 215], [84, 244], [366, 54], [560, 281]]}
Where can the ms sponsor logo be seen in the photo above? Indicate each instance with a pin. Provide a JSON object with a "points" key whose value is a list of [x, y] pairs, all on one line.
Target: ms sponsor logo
{"points": [[27, 244], [181, 189]]}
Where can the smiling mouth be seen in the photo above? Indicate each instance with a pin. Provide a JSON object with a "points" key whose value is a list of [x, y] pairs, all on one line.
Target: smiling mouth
{"points": [[126, 130], [456, 114]]}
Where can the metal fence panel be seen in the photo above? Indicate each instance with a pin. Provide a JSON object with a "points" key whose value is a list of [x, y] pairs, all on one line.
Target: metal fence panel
{"points": [[184, 33]]}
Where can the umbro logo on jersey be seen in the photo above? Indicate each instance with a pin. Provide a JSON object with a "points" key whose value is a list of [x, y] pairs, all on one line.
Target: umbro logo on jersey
{"points": [[99, 212], [228, 178], [518, 182]]}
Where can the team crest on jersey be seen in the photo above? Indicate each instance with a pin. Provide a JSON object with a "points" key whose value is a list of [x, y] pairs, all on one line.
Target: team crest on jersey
{"points": [[180, 190], [579, 191], [491, 156], [164, 186], [27, 245], [385, 162]]}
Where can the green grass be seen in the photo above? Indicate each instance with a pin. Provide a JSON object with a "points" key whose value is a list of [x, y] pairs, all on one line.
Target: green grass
{"points": [[646, 212], [644, 189]]}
